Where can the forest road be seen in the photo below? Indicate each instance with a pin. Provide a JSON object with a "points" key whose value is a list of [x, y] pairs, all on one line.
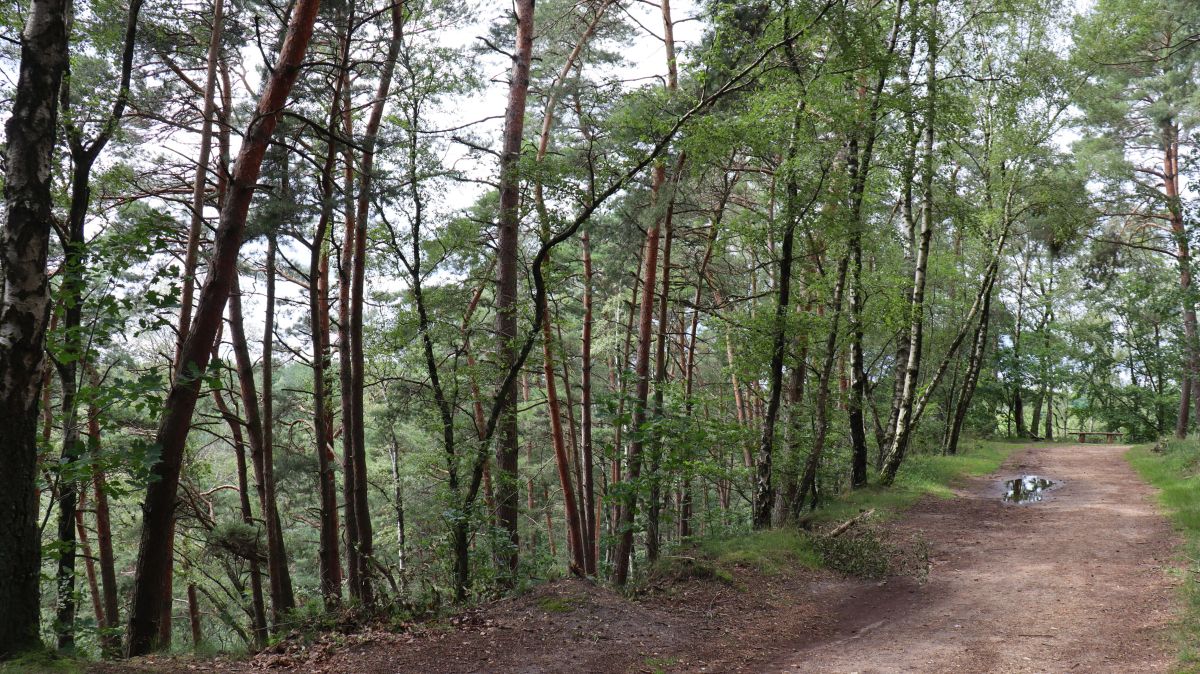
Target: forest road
{"points": [[1075, 582]]}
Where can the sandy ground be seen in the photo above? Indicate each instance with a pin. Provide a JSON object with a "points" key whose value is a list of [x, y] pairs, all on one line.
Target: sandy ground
{"points": [[1075, 582]]}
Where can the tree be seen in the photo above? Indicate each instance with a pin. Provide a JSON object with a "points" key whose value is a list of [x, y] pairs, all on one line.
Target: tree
{"points": [[154, 558], [24, 243]]}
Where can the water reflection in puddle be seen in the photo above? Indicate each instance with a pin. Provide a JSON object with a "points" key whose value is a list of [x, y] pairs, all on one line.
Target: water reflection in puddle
{"points": [[1026, 489]]}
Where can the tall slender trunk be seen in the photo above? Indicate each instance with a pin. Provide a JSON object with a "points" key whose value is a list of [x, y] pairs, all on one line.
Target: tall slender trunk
{"points": [[575, 537], [110, 641], [689, 363], [908, 172], [256, 430], [154, 556], [974, 366], [1191, 359], [345, 332], [200, 183], [194, 617], [329, 556], [859, 169], [808, 479], [623, 366], [282, 598], [258, 614], [904, 420], [89, 563], [654, 509], [356, 421], [508, 235], [398, 497], [585, 421], [628, 509], [31, 131], [764, 493]]}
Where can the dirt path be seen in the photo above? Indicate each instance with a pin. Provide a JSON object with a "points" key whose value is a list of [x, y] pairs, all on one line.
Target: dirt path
{"points": [[1073, 583], [1076, 582]]}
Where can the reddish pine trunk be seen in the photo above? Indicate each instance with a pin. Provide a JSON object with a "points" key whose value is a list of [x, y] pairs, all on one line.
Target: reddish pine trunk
{"points": [[154, 554], [194, 616], [89, 563], [641, 394], [506, 274], [589, 489], [282, 598], [329, 558], [110, 641], [561, 460], [346, 348]]}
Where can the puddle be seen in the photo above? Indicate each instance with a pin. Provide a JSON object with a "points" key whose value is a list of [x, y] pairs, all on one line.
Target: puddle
{"points": [[1026, 489]]}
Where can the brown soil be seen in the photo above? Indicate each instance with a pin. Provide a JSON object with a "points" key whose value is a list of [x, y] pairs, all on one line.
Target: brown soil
{"points": [[1074, 583]]}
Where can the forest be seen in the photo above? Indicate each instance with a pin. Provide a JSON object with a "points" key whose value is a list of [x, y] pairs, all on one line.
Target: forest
{"points": [[366, 308]]}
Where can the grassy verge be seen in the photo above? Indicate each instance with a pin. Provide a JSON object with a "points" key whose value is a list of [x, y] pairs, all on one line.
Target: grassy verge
{"points": [[1174, 472], [921, 475]]}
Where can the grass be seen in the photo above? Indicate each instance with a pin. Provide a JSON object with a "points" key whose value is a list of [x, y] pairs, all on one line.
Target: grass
{"points": [[660, 665], [768, 551], [775, 550], [1173, 470], [921, 475]]}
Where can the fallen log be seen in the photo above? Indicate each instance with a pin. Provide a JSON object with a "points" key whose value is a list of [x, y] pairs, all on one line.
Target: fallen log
{"points": [[841, 528]]}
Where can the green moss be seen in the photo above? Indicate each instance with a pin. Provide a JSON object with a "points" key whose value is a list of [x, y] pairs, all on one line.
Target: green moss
{"points": [[42, 662], [1173, 470], [555, 604]]}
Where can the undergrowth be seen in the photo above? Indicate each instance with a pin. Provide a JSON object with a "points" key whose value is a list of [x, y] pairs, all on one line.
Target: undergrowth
{"points": [[42, 662], [1173, 466], [921, 475], [862, 551]]}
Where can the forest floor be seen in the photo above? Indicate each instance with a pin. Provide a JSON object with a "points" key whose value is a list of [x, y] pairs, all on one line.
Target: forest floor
{"points": [[1080, 581]]}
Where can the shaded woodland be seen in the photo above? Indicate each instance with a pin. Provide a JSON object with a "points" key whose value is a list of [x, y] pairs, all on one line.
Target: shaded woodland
{"points": [[385, 307]]}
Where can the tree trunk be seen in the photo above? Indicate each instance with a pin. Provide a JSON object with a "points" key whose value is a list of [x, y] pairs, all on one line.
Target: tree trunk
{"points": [[31, 132], [859, 169], [664, 301], [110, 641], [282, 598], [585, 421], [808, 480], [357, 424], [329, 556], [258, 615], [628, 510], [575, 537], [904, 418], [154, 556], [508, 241], [345, 337], [764, 494], [199, 185], [974, 366], [194, 616], [89, 564]]}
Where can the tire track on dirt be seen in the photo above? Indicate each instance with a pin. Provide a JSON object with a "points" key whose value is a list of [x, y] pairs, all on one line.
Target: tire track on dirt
{"points": [[1075, 582]]}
